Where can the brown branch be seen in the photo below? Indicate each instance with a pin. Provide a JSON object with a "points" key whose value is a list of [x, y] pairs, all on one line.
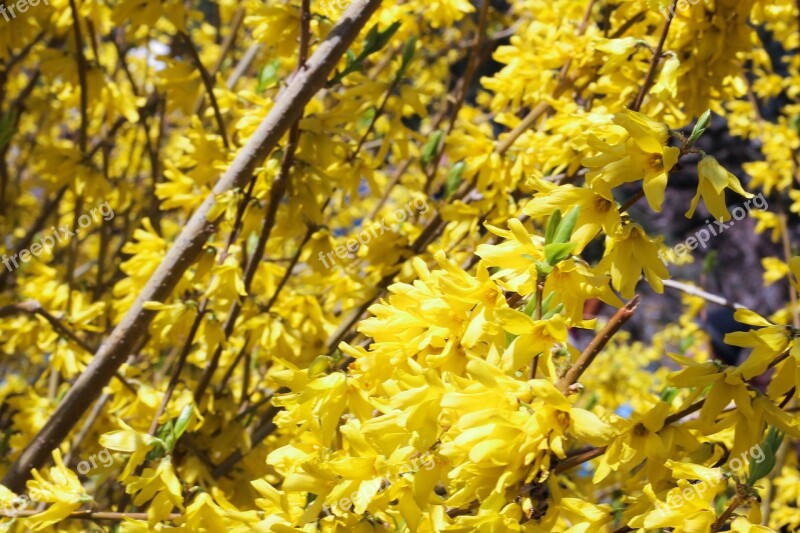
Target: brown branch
{"points": [[539, 295], [266, 428], [619, 319], [639, 17], [225, 48], [243, 64], [632, 200], [113, 352], [76, 26], [208, 83], [378, 113], [32, 307], [579, 459], [671, 419], [89, 515], [651, 73], [735, 502]]}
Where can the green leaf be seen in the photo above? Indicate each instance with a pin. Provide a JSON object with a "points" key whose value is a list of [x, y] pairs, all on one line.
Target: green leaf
{"points": [[319, 365], [685, 344], [408, 53], [431, 147], [543, 269], [373, 42], [668, 394], [552, 312], [182, 422], [381, 40], [170, 441], [372, 36], [530, 307], [351, 58], [700, 127], [552, 226], [769, 449], [7, 129], [556, 252], [267, 76], [454, 178], [548, 300], [794, 123], [165, 441], [367, 117], [566, 226], [510, 338]]}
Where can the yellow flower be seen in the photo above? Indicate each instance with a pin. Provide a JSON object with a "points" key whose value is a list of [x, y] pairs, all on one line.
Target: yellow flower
{"points": [[128, 440], [642, 154], [61, 487], [714, 179], [160, 487], [597, 212], [767, 342], [533, 337], [629, 254]]}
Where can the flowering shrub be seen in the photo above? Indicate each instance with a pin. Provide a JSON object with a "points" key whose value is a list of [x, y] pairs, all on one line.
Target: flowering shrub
{"points": [[370, 266]]}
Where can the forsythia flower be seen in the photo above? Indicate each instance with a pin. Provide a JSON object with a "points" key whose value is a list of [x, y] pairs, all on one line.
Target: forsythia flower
{"points": [[713, 181], [642, 154], [359, 266], [60, 487], [629, 254]]}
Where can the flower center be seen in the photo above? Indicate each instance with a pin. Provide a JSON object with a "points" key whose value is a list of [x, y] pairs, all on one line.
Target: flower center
{"points": [[601, 204], [656, 162]]}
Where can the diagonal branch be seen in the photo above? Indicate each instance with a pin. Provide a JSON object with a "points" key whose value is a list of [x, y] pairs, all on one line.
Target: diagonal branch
{"points": [[113, 352], [622, 315], [208, 84]]}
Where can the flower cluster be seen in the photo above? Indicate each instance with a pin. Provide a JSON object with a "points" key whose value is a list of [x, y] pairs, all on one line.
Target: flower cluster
{"points": [[480, 165]]}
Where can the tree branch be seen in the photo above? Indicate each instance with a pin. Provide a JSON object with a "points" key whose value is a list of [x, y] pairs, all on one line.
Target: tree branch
{"points": [[622, 315], [113, 352]]}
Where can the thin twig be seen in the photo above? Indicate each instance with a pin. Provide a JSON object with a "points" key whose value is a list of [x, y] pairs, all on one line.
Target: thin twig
{"points": [[695, 291], [227, 45], [82, 68], [243, 64], [651, 73], [87, 426], [734, 504], [597, 344], [208, 83], [89, 515]]}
